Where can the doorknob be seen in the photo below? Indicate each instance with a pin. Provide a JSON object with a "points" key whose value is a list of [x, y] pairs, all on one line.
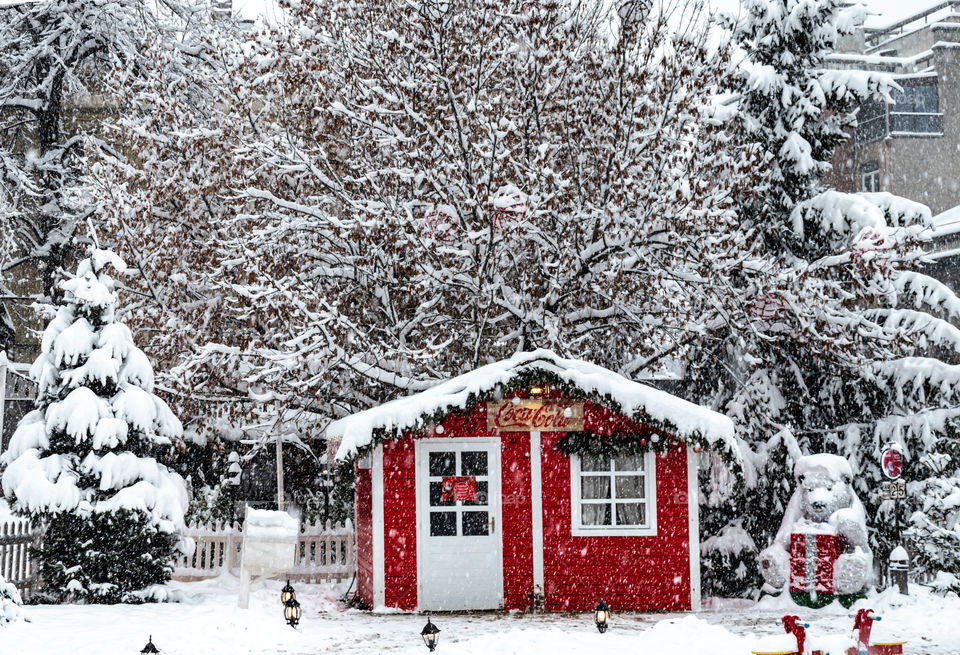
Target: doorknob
{"points": [[493, 524]]}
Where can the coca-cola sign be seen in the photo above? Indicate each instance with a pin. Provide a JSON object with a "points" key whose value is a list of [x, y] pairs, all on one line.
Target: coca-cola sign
{"points": [[529, 415]]}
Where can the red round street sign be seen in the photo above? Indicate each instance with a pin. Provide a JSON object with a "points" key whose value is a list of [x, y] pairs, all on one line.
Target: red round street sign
{"points": [[892, 463]]}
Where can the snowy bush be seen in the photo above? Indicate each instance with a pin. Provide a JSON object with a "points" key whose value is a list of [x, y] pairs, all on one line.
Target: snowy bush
{"points": [[9, 603], [87, 460], [728, 562]]}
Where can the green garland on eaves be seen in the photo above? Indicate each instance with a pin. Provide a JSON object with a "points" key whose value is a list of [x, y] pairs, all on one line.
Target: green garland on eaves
{"points": [[613, 445], [579, 442]]}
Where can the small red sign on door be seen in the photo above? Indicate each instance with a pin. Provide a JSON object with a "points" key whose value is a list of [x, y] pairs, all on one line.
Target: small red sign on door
{"points": [[459, 488], [892, 463]]}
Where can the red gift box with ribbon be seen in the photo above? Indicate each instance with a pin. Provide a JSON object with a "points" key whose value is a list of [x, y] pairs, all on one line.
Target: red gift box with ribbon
{"points": [[812, 557]]}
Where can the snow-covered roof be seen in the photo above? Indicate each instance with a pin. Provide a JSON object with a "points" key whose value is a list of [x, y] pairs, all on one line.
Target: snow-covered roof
{"points": [[947, 223], [636, 400]]}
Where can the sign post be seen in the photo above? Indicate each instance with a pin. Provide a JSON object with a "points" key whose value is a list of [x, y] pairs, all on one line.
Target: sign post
{"points": [[891, 462]]}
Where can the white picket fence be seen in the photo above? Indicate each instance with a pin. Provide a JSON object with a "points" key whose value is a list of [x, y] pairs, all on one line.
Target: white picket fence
{"points": [[16, 566], [324, 552]]}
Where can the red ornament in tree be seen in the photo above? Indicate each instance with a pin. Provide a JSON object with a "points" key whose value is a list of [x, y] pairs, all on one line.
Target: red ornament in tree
{"points": [[530, 9], [766, 306], [509, 206], [871, 246], [441, 223]]}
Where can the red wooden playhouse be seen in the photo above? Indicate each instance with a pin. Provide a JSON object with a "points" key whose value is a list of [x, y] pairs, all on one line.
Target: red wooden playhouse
{"points": [[535, 480]]}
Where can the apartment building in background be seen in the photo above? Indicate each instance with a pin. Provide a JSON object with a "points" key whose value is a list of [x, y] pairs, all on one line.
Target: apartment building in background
{"points": [[910, 148]]}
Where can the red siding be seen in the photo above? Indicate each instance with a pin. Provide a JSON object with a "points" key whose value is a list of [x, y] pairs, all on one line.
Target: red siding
{"points": [[399, 525], [637, 573], [364, 527]]}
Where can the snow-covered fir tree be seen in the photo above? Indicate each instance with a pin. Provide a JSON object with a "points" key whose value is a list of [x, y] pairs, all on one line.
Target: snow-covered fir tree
{"points": [[87, 462], [832, 348]]}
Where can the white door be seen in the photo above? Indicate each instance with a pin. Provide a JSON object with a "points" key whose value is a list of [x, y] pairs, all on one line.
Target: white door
{"points": [[458, 541]]}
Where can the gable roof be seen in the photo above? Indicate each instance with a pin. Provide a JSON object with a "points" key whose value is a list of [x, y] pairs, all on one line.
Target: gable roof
{"points": [[685, 420]]}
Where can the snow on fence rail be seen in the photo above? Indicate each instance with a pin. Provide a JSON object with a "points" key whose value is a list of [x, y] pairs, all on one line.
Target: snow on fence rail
{"points": [[324, 552], [16, 566]]}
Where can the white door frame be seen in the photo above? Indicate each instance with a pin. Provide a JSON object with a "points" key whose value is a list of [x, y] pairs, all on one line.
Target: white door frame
{"points": [[496, 504]]}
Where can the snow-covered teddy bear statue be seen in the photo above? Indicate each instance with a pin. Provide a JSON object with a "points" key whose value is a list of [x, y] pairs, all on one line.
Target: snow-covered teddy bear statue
{"points": [[821, 550]]}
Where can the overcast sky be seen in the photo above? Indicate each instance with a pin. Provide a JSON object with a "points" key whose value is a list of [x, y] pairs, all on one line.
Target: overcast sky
{"points": [[889, 11]]}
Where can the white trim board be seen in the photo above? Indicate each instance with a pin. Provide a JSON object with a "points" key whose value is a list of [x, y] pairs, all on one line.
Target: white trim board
{"points": [[650, 489], [536, 507], [693, 523], [376, 475]]}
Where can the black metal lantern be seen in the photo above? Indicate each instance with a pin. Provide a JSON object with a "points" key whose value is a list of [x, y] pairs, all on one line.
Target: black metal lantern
{"points": [[149, 649], [430, 634], [600, 615], [292, 612], [287, 593]]}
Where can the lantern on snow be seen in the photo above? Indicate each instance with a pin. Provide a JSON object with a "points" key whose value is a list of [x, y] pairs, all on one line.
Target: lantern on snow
{"points": [[430, 634], [149, 649], [287, 593], [292, 612], [600, 615]]}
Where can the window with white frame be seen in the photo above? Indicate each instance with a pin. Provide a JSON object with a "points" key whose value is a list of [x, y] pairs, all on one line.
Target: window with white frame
{"points": [[613, 495], [870, 176]]}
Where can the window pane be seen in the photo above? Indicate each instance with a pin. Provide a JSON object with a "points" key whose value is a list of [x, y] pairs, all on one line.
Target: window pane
{"points": [[443, 464], [481, 495], [473, 463], [594, 463], [593, 487], [631, 514], [595, 514], [443, 524], [629, 463], [869, 111], [903, 99], [902, 122], [436, 494], [630, 486], [871, 129], [475, 524], [926, 98], [928, 124]]}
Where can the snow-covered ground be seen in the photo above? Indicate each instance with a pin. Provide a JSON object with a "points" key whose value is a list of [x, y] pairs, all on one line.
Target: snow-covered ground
{"points": [[208, 622]]}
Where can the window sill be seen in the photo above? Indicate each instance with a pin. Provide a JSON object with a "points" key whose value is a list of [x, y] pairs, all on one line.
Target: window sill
{"points": [[614, 532]]}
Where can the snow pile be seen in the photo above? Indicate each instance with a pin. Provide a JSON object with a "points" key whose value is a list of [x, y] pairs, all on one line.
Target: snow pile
{"points": [[635, 399], [91, 445], [270, 525]]}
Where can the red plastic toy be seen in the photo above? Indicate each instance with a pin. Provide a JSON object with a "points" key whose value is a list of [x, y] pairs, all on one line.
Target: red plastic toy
{"points": [[862, 625]]}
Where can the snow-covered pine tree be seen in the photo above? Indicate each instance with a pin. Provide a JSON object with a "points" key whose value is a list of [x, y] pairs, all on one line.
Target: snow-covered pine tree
{"points": [[87, 461], [830, 347]]}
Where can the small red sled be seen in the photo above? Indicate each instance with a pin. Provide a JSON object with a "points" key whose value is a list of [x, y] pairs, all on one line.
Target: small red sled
{"points": [[857, 644]]}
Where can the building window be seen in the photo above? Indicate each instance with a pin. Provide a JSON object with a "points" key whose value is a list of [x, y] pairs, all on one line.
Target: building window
{"points": [[613, 496], [870, 177], [915, 111], [871, 122]]}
